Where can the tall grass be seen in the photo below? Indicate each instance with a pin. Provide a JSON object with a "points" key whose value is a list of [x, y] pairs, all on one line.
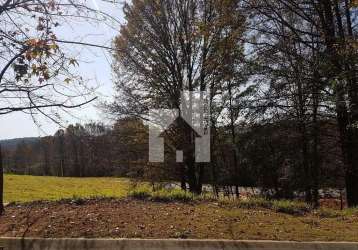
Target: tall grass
{"points": [[164, 195]]}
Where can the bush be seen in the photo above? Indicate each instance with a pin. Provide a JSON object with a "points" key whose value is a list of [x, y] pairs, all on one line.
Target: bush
{"points": [[351, 211], [172, 195], [290, 207], [327, 213], [248, 203], [164, 195], [142, 192]]}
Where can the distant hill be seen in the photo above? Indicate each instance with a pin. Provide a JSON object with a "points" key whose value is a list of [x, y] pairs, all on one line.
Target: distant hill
{"points": [[10, 144]]}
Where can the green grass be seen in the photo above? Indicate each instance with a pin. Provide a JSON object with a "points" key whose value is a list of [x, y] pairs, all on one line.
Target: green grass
{"points": [[164, 195], [141, 192], [22, 188], [172, 195]]}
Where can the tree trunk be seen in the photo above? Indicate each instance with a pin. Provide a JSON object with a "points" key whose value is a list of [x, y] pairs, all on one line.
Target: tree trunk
{"points": [[347, 116], [315, 154], [303, 143], [351, 167], [46, 157], [235, 175], [1, 184], [191, 175], [195, 177], [352, 135], [194, 169], [306, 166], [182, 176], [213, 161]]}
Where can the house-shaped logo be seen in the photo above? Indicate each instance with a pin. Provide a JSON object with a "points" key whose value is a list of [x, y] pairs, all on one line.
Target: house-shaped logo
{"points": [[188, 127]]}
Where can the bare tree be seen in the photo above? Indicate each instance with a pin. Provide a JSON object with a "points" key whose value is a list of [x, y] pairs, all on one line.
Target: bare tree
{"points": [[35, 74], [167, 47], [324, 31]]}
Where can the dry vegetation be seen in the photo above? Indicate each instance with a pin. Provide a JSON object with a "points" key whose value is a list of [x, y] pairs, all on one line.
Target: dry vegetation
{"points": [[129, 217]]}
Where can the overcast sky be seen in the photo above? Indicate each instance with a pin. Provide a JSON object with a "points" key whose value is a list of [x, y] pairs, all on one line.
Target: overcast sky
{"points": [[95, 65]]}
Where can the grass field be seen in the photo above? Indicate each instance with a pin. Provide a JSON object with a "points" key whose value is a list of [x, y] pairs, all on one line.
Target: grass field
{"points": [[22, 188]]}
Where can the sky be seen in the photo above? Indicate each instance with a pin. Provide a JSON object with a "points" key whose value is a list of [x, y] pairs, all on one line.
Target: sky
{"points": [[94, 65]]}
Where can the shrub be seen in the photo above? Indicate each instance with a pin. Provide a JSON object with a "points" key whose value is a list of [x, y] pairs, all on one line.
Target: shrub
{"points": [[164, 195], [290, 207], [327, 213], [248, 203], [172, 195], [142, 192], [350, 211]]}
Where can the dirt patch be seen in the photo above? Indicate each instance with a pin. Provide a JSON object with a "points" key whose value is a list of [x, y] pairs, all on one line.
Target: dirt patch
{"points": [[145, 219]]}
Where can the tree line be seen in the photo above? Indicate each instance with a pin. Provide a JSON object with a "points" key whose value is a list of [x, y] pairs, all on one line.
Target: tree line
{"points": [[80, 151], [268, 157]]}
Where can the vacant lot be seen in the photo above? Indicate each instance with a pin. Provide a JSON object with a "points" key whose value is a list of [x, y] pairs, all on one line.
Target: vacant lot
{"points": [[147, 219], [22, 188], [142, 217]]}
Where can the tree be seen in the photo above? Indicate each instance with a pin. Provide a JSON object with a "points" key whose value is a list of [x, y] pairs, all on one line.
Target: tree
{"points": [[22, 160], [1, 183], [35, 64], [129, 140], [35, 77], [166, 48], [59, 140], [74, 137], [322, 35], [46, 148]]}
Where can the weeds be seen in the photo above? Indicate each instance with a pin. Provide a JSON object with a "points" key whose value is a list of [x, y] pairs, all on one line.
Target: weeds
{"points": [[76, 200], [331, 213], [350, 211], [145, 192], [291, 207], [140, 192], [167, 195], [328, 213], [172, 195], [281, 206], [163, 195]]}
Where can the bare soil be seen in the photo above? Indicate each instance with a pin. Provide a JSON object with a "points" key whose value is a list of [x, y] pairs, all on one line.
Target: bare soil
{"points": [[129, 218]]}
